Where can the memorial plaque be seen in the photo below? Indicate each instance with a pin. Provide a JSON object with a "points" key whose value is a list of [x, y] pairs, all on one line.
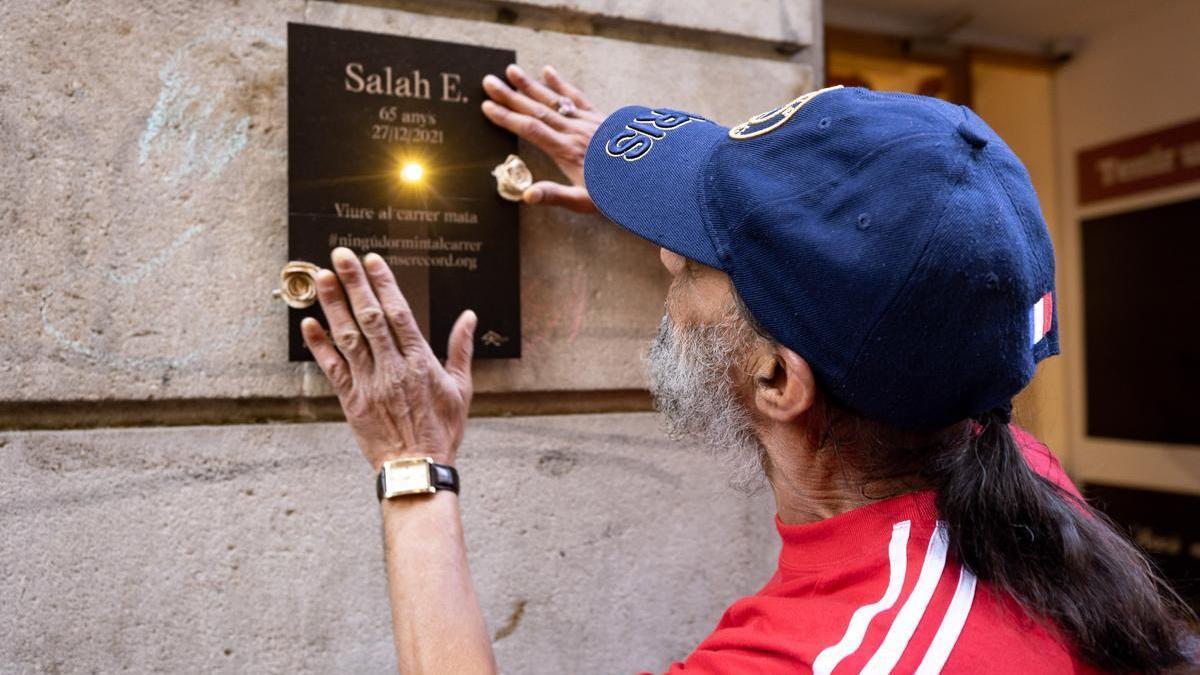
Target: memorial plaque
{"points": [[389, 152]]}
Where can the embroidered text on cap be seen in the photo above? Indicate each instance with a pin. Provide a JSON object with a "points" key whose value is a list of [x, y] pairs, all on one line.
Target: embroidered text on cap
{"points": [[637, 138], [772, 119]]}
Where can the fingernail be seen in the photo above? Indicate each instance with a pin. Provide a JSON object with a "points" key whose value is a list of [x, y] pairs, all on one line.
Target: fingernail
{"points": [[490, 80], [326, 278], [341, 255], [515, 68], [533, 195], [373, 258]]}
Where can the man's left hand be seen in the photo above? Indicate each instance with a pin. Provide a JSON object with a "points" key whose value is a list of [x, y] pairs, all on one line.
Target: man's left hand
{"points": [[399, 400], [557, 118]]}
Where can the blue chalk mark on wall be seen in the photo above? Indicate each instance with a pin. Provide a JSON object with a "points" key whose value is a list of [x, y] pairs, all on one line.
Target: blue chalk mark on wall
{"points": [[189, 124]]}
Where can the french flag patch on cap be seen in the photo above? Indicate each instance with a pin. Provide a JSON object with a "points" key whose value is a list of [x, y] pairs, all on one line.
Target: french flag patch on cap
{"points": [[1041, 318]]}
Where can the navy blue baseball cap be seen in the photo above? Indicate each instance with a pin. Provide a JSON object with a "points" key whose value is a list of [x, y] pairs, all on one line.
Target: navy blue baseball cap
{"points": [[893, 241]]}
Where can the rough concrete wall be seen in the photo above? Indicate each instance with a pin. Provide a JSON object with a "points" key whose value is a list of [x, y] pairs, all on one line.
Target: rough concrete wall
{"points": [[785, 23], [596, 545], [142, 227], [145, 183]]}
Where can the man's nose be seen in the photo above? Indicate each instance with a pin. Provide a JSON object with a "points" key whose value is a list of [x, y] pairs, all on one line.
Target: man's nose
{"points": [[674, 262]]}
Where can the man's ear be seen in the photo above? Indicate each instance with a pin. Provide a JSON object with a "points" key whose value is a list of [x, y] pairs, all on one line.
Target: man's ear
{"points": [[784, 386]]}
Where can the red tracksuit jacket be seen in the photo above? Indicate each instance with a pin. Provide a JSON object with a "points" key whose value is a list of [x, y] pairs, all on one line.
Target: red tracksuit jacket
{"points": [[873, 590]]}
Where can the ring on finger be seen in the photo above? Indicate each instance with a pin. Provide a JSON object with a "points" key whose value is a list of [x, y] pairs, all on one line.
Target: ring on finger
{"points": [[566, 107]]}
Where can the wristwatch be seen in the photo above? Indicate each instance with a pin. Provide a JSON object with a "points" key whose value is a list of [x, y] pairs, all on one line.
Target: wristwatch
{"points": [[414, 476]]}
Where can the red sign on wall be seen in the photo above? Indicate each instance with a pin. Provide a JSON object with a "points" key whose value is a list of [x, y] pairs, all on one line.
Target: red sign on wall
{"points": [[1147, 162]]}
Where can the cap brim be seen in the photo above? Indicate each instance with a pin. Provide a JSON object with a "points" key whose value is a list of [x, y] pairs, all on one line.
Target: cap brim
{"points": [[643, 169]]}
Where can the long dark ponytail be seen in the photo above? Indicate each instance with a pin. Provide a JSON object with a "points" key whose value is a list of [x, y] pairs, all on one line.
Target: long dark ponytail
{"points": [[1062, 560], [1059, 558]]}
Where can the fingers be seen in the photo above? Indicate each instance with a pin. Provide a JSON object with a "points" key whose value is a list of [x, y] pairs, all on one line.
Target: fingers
{"points": [[326, 355], [342, 325], [522, 103], [531, 129], [531, 87], [572, 197], [367, 311], [395, 306], [564, 88], [460, 349]]}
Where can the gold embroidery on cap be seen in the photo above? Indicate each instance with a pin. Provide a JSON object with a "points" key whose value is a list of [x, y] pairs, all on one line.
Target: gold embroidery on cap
{"points": [[775, 117]]}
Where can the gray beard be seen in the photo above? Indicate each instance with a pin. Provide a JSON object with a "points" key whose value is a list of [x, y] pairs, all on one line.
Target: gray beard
{"points": [[689, 379]]}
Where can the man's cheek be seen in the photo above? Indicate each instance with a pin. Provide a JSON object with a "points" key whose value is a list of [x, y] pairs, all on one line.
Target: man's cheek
{"points": [[671, 306], [682, 303]]}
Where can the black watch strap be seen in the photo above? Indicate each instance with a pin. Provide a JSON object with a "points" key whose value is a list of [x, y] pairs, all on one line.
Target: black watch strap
{"points": [[441, 477]]}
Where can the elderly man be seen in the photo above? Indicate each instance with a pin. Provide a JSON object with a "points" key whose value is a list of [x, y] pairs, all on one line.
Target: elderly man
{"points": [[861, 282]]}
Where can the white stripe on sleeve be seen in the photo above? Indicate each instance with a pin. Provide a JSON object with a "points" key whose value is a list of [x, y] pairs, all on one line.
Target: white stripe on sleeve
{"points": [[952, 625], [905, 624], [831, 656]]}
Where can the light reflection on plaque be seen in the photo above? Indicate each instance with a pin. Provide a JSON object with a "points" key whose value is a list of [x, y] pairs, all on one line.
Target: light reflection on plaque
{"points": [[389, 152]]}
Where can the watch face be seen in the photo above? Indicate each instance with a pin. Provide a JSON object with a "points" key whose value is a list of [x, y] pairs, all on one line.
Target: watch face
{"points": [[407, 478]]}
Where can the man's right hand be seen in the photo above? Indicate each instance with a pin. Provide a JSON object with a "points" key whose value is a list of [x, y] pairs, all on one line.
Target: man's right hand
{"points": [[530, 109]]}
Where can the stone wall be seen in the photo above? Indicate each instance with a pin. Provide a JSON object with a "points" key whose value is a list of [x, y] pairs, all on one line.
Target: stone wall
{"points": [[596, 546], [143, 217]]}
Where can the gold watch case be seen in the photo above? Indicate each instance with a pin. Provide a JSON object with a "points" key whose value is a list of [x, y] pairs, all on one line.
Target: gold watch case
{"points": [[407, 476]]}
